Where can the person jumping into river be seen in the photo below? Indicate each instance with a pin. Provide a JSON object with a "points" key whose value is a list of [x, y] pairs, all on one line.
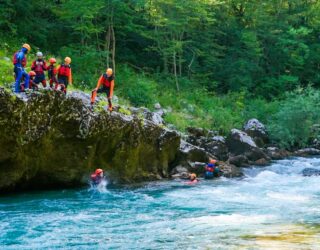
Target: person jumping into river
{"points": [[19, 62], [107, 82], [97, 177], [212, 170]]}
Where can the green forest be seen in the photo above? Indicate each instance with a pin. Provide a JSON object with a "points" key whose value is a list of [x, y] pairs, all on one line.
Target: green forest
{"points": [[212, 63]]}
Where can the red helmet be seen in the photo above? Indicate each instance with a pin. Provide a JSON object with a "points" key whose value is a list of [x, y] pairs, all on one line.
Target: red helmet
{"points": [[213, 161], [98, 171], [32, 73], [52, 60]]}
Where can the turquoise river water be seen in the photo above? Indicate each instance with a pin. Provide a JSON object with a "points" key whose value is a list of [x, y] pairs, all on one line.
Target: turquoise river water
{"points": [[269, 208]]}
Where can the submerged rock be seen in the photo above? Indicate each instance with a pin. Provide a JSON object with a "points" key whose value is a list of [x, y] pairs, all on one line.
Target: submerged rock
{"points": [[52, 140], [310, 172], [307, 152], [277, 154], [230, 170]]}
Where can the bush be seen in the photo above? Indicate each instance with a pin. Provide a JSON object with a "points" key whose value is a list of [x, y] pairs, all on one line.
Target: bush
{"points": [[292, 125], [138, 89]]}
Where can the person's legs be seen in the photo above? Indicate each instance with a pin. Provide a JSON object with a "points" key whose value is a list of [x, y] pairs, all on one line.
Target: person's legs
{"points": [[107, 92], [41, 78], [26, 79], [66, 85], [18, 75], [109, 98], [44, 83], [63, 83]]}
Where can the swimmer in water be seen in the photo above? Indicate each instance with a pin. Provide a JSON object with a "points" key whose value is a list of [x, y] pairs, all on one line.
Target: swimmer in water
{"points": [[97, 177], [192, 179]]}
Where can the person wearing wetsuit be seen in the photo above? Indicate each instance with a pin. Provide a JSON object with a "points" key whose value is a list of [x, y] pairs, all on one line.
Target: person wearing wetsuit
{"points": [[105, 85], [19, 62], [212, 170], [97, 177], [65, 74], [39, 66]]}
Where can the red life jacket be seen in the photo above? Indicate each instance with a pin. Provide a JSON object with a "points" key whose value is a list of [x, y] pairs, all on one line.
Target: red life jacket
{"points": [[64, 70], [51, 71], [210, 168], [15, 59], [106, 81], [39, 66]]}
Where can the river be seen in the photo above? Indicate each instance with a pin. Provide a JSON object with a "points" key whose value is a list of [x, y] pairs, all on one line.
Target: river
{"points": [[269, 208]]}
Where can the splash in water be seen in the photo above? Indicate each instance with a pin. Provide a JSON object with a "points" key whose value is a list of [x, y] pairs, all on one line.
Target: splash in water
{"points": [[101, 187]]}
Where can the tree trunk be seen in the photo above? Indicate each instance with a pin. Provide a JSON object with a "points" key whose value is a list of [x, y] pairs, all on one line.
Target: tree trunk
{"points": [[113, 50], [190, 64], [175, 70], [165, 64], [107, 45], [180, 65]]}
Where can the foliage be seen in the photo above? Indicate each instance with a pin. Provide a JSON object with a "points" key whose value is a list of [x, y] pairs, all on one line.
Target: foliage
{"points": [[293, 125], [265, 48], [139, 90], [214, 63]]}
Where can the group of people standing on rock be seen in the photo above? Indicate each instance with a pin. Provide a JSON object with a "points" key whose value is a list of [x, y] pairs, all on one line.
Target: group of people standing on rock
{"points": [[59, 77]]}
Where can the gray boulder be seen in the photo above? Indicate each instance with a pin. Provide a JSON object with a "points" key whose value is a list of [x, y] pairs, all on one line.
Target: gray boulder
{"points": [[157, 106], [216, 146], [209, 141], [239, 161], [145, 113], [230, 170], [189, 152], [255, 129], [180, 172], [240, 142]]}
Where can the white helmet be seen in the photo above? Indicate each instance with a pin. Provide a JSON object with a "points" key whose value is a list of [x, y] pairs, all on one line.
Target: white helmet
{"points": [[39, 54]]}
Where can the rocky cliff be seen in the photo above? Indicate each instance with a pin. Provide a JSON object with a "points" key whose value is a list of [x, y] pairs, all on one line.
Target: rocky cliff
{"points": [[51, 140]]}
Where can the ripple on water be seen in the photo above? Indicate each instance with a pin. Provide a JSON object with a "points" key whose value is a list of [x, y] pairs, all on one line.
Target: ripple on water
{"points": [[270, 208]]}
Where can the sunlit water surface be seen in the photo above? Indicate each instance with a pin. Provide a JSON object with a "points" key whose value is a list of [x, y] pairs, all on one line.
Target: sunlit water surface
{"points": [[270, 208]]}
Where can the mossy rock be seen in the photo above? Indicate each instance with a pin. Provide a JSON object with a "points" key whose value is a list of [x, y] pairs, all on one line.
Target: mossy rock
{"points": [[52, 140]]}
